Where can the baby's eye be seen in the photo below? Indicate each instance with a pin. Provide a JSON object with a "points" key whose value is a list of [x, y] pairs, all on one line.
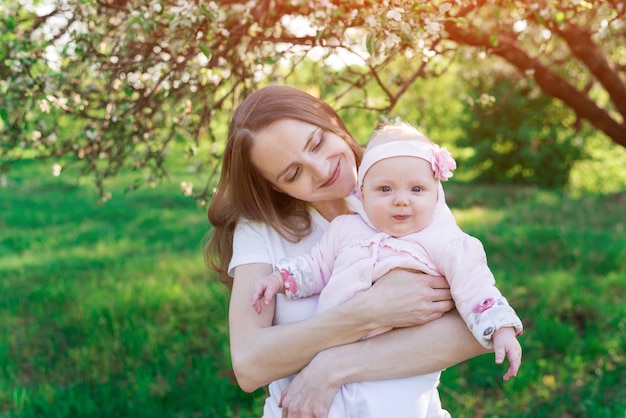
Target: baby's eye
{"points": [[385, 188], [416, 189]]}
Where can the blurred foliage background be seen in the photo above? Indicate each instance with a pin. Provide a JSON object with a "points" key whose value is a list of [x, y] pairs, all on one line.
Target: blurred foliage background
{"points": [[113, 116], [523, 87]]}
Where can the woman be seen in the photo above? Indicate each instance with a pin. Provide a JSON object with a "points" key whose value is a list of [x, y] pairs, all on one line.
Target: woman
{"points": [[289, 168]]}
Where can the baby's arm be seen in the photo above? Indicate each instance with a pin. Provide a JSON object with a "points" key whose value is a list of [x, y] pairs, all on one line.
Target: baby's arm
{"points": [[282, 281], [505, 344], [471, 280], [266, 288], [303, 276]]}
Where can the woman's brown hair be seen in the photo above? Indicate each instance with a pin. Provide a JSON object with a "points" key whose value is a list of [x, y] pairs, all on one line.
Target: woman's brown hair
{"points": [[243, 192]]}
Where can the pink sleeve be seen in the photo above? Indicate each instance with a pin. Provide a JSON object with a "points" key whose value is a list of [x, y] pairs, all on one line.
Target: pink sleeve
{"points": [[477, 299], [309, 273]]}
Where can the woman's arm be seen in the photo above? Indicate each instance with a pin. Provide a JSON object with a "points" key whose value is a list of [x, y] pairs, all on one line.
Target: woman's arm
{"points": [[262, 353], [399, 353]]}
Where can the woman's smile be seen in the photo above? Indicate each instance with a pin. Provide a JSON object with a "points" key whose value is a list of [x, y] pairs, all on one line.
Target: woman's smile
{"points": [[334, 175], [304, 161]]}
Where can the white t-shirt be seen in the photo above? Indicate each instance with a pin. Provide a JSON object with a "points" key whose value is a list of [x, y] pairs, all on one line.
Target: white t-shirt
{"points": [[412, 397], [256, 242]]}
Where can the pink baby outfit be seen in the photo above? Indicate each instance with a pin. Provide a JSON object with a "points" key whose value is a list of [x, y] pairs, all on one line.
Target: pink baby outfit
{"points": [[349, 258], [351, 255]]}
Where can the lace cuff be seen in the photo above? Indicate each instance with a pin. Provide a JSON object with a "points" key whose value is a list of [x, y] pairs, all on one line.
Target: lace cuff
{"points": [[489, 316], [297, 277]]}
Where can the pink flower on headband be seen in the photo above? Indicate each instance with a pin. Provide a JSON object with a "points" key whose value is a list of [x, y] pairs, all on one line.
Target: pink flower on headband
{"points": [[442, 163]]}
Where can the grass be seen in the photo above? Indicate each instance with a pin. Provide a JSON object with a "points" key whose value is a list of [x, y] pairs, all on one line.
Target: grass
{"points": [[109, 311], [562, 263]]}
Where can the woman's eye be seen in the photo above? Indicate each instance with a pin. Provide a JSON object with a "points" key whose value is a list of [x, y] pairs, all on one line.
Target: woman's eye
{"points": [[320, 141], [295, 176]]}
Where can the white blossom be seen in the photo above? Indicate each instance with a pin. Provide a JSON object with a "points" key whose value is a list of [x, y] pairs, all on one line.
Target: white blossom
{"points": [[44, 106], [56, 169], [186, 188], [395, 14]]}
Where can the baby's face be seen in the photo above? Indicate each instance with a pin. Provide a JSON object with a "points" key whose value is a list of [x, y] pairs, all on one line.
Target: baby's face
{"points": [[400, 195]]}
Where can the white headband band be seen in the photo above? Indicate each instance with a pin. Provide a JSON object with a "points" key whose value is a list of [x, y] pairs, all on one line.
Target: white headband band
{"points": [[440, 159]]}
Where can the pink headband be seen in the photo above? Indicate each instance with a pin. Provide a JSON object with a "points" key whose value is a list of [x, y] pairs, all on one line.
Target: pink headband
{"points": [[440, 159]]}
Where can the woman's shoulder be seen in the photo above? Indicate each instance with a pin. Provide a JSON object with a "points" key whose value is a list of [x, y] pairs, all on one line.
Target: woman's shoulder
{"points": [[246, 227]]}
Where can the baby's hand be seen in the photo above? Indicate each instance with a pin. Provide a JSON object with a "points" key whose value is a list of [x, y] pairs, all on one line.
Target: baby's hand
{"points": [[266, 288], [505, 344]]}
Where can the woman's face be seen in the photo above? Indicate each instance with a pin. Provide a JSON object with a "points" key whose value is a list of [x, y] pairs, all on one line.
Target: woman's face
{"points": [[304, 161]]}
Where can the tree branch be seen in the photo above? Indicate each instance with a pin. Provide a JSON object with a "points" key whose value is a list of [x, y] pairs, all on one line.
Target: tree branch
{"points": [[549, 81], [582, 46]]}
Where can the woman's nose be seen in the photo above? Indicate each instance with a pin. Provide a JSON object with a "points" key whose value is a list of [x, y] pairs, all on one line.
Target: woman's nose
{"points": [[319, 169]]}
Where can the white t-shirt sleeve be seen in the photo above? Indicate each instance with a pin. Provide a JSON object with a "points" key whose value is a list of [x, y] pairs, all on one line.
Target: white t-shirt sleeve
{"points": [[250, 245], [256, 242]]}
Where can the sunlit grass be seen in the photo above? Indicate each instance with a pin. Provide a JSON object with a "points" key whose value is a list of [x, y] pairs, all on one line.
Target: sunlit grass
{"points": [[109, 310]]}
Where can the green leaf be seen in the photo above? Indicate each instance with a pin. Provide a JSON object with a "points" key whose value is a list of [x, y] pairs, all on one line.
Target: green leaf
{"points": [[4, 115], [560, 18], [493, 40], [458, 20], [370, 43], [205, 50], [10, 23]]}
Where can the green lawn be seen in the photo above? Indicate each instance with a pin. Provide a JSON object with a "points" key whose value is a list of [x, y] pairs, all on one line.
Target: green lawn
{"points": [[109, 311]]}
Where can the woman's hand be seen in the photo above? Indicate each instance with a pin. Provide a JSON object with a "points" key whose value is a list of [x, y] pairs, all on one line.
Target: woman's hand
{"points": [[404, 298], [312, 391]]}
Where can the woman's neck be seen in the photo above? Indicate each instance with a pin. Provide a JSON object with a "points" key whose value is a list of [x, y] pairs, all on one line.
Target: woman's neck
{"points": [[330, 209]]}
